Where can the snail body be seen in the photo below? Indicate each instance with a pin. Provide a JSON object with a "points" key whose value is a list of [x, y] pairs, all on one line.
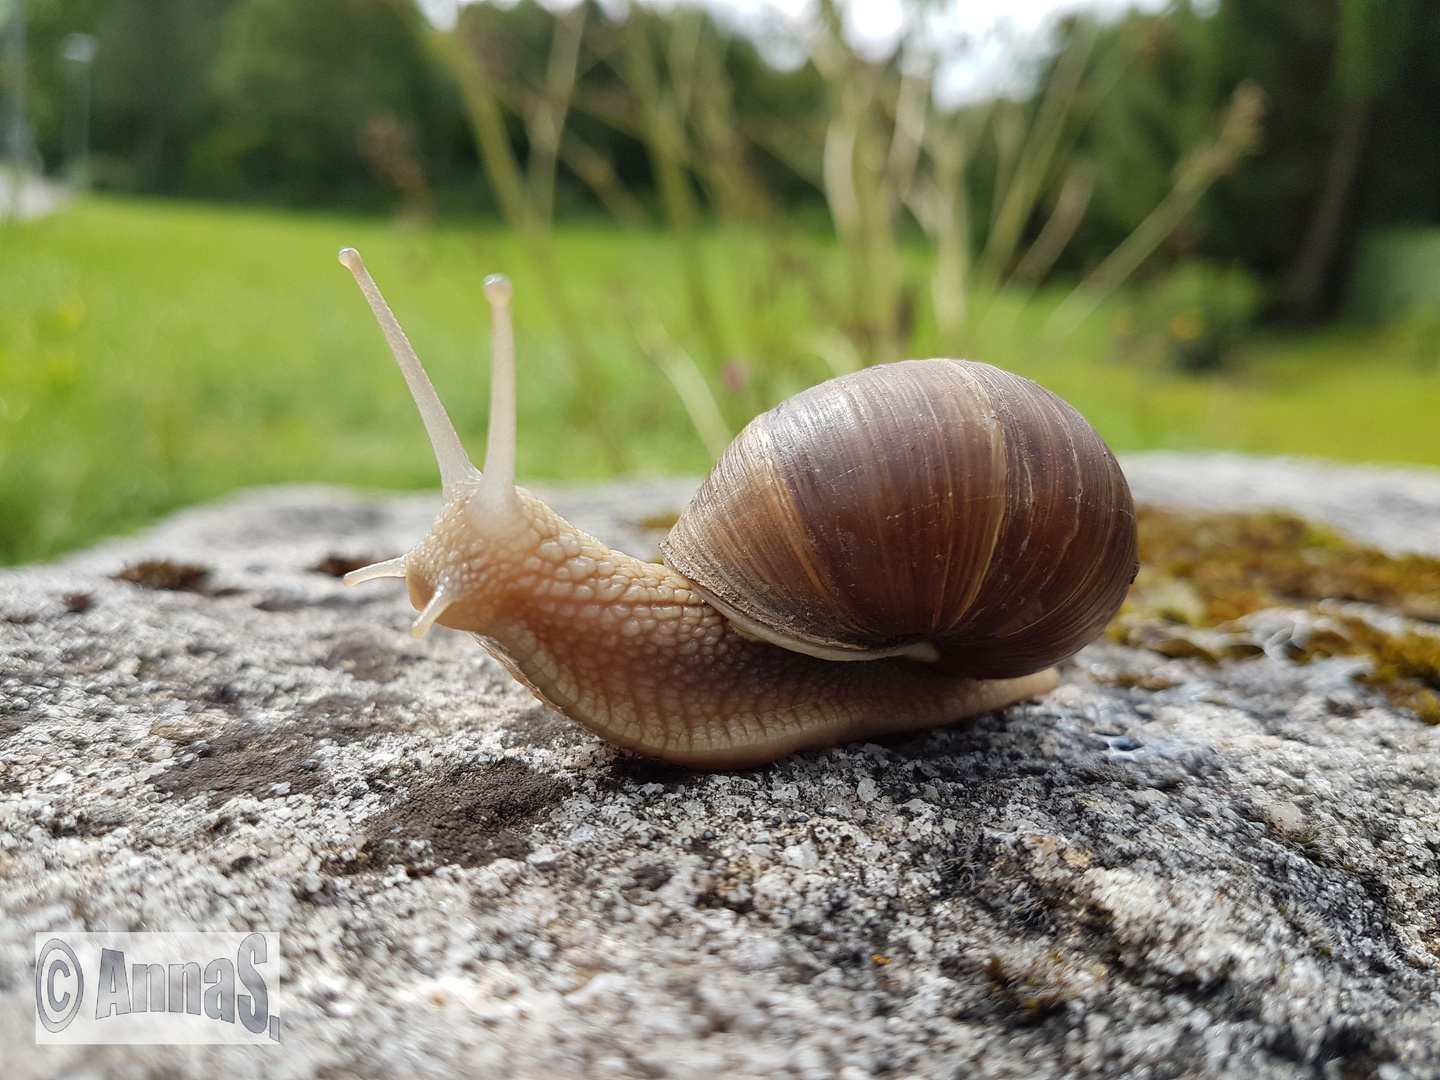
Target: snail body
{"points": [[631, 651], [793, 615]]}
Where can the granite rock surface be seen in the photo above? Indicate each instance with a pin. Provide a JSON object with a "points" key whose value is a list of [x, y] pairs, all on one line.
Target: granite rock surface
{"points": [[1236, 875]]}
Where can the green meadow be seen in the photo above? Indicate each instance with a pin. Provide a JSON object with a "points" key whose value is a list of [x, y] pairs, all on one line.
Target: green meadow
{"points": [[155, 354]]}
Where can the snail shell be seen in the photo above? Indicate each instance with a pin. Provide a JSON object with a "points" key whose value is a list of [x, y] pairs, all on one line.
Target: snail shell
{"points": [[941, 509]]}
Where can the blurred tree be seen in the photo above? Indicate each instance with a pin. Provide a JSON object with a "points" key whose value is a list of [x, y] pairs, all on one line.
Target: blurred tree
{"points": [[1352, 135], [1345, 78], [298, 83], [1369, 46], [152, 66], [150, 94], [253, 99]]}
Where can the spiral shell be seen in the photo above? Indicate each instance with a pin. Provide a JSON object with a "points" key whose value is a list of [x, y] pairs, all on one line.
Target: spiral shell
{"points": [[941, 509]]}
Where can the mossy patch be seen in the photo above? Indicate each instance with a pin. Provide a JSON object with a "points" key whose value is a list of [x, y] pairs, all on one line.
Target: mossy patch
{"points": [[1405, 665], [1201, 574], [1239, 563]]}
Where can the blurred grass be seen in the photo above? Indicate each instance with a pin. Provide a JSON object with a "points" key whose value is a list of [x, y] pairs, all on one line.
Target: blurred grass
{"points": [[155, 354]]}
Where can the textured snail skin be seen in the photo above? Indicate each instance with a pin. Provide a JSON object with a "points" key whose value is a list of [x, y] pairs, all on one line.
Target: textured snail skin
{"points": [[629, 649]]}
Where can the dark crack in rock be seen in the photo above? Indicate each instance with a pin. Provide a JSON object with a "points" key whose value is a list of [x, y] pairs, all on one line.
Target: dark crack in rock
{"points": [[470, 817], [368, 657], [243, 762]]}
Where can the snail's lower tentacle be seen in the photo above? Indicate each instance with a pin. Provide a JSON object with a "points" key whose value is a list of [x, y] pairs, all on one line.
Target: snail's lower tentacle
{"points": [[439, 600]]}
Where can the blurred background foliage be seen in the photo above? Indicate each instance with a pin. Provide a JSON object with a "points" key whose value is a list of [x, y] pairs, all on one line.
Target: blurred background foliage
{"points": [[271, 100], [1205, 226], [255, 100]]}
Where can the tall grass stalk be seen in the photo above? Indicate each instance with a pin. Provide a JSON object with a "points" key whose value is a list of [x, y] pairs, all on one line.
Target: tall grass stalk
{"points": [[685, 376], [940, 202], [488, 123], [1060, 226], [1038, 153], [663, 109], [859, 187], [1238, 137], [545, 121]]}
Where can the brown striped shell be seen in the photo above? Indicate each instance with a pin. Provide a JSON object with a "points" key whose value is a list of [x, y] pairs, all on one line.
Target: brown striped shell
{"points": [[941, 509]]}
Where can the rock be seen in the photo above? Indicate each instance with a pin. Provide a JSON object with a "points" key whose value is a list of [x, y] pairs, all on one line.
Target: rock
{"points": [[1237, 874]]}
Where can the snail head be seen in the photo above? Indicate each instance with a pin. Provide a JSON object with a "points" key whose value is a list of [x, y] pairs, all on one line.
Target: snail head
{"points": [[458, 574]]}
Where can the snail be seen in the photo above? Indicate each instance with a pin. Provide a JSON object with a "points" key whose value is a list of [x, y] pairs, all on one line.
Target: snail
{"points": [[888, 551]]}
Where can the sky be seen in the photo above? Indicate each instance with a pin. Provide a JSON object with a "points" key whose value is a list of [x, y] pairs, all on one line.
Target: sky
{"points": [[982, 46]]}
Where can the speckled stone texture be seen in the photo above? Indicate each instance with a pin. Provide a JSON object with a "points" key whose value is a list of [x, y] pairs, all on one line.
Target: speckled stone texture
{"points": [[1236, 876]]}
